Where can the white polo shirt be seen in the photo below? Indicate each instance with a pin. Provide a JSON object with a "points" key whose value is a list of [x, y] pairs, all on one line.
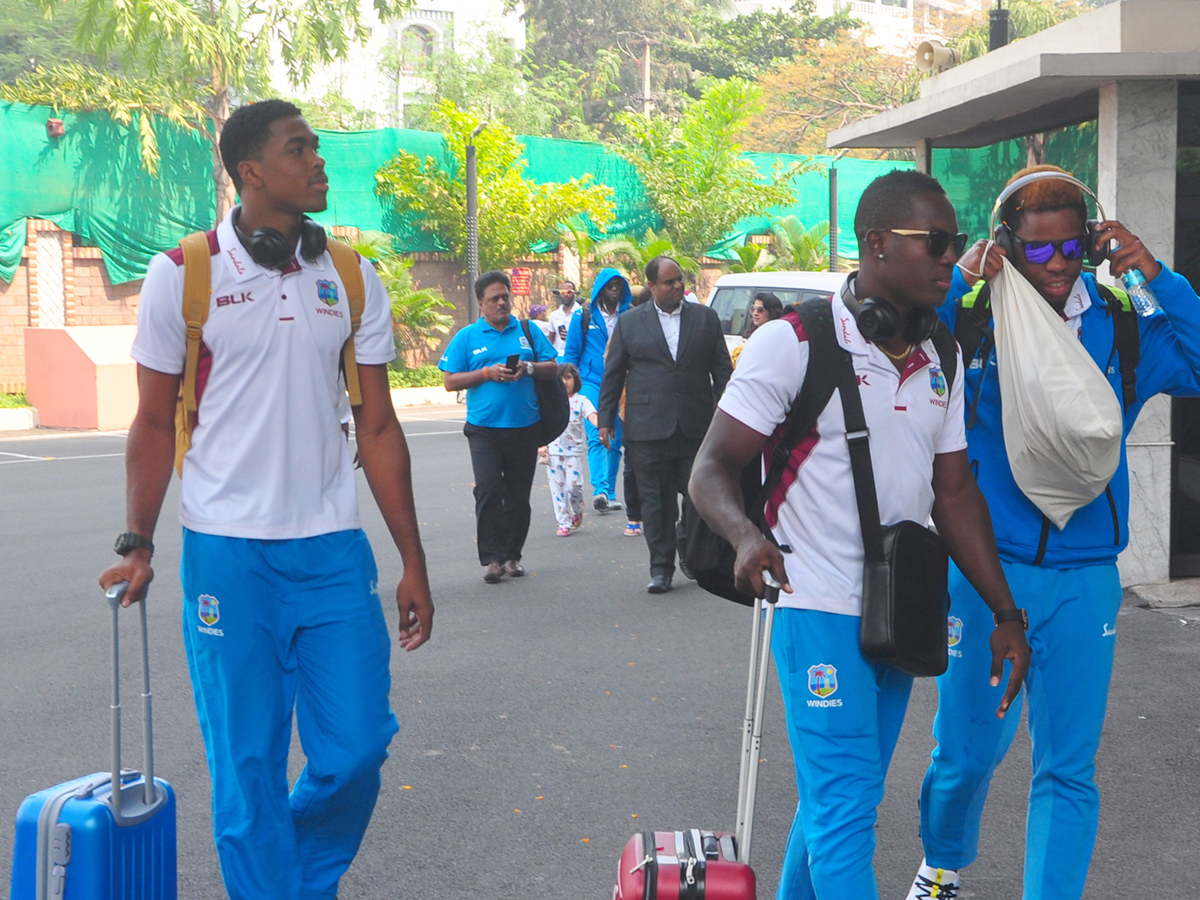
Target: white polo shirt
{"points": [[269, 459], [912, 417]]}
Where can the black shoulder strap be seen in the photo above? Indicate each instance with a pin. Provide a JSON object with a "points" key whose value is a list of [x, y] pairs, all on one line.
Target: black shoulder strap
{"points": [[947, 351], [815, 392], [529, 338], [1126, 340], [859, 445], [973, 326], [585, 315]]}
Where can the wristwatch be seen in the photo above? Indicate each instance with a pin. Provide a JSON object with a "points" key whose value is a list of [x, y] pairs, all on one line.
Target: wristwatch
{"points": [[130, 541], [1012, 615], [528, 368]]}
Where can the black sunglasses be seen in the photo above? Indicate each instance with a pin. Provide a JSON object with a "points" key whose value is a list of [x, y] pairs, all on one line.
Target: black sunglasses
{"points": [[939, 241], [1041, 252]]}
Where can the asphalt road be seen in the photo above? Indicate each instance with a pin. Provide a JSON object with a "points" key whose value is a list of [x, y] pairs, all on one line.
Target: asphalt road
{"points": [[548, 718]]}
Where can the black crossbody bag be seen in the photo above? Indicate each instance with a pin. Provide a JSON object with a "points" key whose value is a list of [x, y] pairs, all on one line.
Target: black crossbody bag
{"points": [[905, 600], [554, 406]]}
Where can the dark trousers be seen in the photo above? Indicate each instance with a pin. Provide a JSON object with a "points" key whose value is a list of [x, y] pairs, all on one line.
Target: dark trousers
{"points": [[504, 460], [633, 502], [662, 469]]}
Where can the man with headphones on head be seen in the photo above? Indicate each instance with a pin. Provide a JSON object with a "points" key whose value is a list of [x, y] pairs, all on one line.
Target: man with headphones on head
{"points": [[1068, 577], [281, 607], [844, 712]]}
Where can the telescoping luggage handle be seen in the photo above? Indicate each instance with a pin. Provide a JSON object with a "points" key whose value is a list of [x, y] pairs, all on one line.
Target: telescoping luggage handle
{"points": [[131, 806], [756, 696]]}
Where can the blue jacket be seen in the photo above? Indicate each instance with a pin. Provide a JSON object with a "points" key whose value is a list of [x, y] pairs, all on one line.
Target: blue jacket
{"points": [[588, 356], [1170, 364]]}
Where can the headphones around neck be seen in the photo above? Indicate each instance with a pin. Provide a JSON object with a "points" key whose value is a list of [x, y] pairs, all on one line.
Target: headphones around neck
{"points": [[1096, 254], [878, 320], [271, 249]]}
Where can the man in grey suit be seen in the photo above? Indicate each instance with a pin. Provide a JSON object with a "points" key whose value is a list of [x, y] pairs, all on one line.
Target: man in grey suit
{"points": [[670, 359]]}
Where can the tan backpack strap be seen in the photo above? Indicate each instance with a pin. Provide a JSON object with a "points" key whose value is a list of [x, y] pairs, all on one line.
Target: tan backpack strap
{"points": [[197, 286], [345, 260]]}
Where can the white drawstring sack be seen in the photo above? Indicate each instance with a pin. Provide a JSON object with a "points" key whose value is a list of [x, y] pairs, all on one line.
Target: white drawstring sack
{"points": [[1062, 420]]}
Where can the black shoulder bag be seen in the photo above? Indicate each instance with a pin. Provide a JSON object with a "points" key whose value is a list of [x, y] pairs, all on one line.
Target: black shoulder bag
{"points": [[905, 600], [554, 406]]}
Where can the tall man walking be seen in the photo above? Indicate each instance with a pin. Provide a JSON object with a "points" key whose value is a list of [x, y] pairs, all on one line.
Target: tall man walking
{"points": [[272, 545], [587, 341], [670, 359]]}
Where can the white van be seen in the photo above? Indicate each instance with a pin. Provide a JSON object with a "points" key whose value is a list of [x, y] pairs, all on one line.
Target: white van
{"points": [[732, 294]]}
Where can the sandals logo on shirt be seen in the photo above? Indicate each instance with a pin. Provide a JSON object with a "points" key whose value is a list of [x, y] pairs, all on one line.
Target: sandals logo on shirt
{"points": [[822, 681], [954, 627], [210, 613], [327, 292]]}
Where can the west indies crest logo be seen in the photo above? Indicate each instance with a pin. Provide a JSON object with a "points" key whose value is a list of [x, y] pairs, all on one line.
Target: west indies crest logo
{"points": [[327, 292], [209, 610]]}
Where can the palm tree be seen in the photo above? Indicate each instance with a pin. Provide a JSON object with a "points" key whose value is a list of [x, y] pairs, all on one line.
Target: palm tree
{"points": [[753, 258], [420, 316], [800, 248], [630, 255]]}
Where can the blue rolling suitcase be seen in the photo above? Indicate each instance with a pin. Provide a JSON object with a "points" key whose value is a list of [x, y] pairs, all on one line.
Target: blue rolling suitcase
{"points": [[82, 840]]}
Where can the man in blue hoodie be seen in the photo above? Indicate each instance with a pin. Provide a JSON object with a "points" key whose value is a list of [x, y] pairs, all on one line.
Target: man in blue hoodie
{"points": [[587, 340], [1066, 578]]}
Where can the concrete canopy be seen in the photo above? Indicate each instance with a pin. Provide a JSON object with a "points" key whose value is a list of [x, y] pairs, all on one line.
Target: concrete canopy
{"points": [[1048, 80]]}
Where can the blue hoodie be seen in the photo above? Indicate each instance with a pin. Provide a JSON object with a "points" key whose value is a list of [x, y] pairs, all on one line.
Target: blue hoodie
{"points": [[588, 356], [1170, 364]]}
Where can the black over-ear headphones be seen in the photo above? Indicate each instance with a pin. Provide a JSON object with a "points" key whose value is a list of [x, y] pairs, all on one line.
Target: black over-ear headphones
{"points": [[879, 320], [271, 249], [1097, 252]]}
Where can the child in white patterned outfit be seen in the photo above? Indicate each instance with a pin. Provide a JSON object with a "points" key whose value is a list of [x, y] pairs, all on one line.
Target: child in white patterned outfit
{"points": [[563, 455]]}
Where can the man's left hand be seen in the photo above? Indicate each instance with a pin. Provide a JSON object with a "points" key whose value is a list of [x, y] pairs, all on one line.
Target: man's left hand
{"points": [[1132, 254], [416, 609], [1008, 643]]}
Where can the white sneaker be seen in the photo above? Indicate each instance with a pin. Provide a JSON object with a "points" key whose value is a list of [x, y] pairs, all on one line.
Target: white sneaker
{"points": [[934, 884]]}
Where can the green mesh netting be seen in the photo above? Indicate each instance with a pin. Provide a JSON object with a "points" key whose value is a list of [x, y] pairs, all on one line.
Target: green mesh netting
{"points": [[91, 182]]}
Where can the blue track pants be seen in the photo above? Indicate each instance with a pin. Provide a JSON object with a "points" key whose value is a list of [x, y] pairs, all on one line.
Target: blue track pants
{"points": [[843, 716], [1072, 636], [268, 626], [603, 463]]}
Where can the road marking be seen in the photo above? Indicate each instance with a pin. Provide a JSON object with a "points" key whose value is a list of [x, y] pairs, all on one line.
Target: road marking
{"points": [[29, 459], [21, 456]]}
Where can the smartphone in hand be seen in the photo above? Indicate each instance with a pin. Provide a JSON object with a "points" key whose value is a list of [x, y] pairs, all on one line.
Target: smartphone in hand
{"points": [[512, 362]]}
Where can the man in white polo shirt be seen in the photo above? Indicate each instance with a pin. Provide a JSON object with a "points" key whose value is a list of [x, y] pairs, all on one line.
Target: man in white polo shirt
{"points": [[281, 608], [844, 712]]}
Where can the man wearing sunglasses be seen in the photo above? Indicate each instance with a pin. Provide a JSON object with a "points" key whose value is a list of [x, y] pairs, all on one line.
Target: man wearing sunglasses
{"points": [[1068, 578]]}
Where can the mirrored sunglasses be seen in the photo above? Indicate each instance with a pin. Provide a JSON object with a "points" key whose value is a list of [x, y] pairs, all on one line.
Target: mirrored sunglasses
{"points": [[1041, 252]]}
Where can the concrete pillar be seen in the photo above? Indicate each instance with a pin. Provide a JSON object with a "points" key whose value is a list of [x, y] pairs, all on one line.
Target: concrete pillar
{"points": [[1138, 133], [923, 151]]}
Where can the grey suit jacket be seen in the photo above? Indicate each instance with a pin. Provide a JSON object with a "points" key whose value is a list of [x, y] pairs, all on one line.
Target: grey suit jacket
{"points": [[664, 394]]}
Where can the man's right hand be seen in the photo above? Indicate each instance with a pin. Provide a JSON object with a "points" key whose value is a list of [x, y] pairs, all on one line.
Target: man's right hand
{"points": [[606, 436], [1009, 643], [134, 568], [754, 555]]}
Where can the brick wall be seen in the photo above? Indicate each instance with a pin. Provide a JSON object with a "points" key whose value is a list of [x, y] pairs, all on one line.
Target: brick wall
{"points": [[97, 300], [14, 318]]}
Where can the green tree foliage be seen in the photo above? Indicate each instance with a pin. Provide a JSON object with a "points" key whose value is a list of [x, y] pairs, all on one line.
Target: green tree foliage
{"points": [[551, 100], [420, 316], [693, 171], [799, 248], [29, 40], [1025, 17], [335, 113], [753, 258], [514, 212], [183, 59], [745, 45], [629, 254]]}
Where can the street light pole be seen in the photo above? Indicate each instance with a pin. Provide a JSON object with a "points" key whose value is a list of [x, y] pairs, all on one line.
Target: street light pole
{"points": [[833, 212], [472, 226]]}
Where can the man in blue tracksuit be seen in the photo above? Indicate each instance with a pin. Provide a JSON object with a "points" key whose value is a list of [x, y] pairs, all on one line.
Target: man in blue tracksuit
{"points": [[1067, 578], [587, 339]]}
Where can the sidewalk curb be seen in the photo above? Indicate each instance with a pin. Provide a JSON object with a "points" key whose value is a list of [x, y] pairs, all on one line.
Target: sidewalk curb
{"points": [[1175, 595], [402, 398], [22, 419]]}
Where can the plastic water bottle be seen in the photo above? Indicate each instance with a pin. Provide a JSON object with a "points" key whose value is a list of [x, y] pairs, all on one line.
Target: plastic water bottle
{"points": [[1140, 295]]}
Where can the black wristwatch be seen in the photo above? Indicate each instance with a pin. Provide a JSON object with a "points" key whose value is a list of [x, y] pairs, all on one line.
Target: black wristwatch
{"points": [[130, 541], [1012, 615]]}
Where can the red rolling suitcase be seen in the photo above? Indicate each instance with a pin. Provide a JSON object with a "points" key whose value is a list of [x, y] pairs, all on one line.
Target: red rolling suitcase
{"points": [[709, 865], [82, 840]]}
